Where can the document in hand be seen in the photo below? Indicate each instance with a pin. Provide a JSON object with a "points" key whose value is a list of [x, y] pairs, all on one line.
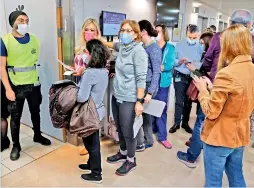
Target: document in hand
{"points": [[154, 108], [68, 73], [137, 125], [64, 65]]}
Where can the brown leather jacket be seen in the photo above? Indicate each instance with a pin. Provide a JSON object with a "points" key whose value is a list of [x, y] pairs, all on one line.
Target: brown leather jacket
{"points": [[84, 119], [81, 119], [229, 105]]}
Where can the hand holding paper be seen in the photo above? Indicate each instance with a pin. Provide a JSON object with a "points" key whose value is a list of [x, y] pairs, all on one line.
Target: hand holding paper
{"points": [[154, 108], [65, 66]]}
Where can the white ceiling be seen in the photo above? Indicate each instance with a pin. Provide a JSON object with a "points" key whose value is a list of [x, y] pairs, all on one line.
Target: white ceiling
{"points": [[228, 6]]}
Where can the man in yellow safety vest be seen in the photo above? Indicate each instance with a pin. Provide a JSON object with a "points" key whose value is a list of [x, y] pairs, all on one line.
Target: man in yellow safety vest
{"points": [[19, 56]]}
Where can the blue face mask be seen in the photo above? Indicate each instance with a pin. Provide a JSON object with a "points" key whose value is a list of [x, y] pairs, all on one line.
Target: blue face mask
{"points": [[202, 46], [192, 42], [125, 38]]}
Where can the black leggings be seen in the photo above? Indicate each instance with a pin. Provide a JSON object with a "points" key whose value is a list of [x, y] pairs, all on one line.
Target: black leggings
{"points": [[124, 116], [5, 142]]}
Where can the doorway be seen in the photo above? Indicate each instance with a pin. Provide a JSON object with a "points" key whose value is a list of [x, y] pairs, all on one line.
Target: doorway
{"points": [[202, 23]]}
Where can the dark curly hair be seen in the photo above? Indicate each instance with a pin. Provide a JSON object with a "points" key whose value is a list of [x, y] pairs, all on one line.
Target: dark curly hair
{"points": [[99, 54], [146, 25]]}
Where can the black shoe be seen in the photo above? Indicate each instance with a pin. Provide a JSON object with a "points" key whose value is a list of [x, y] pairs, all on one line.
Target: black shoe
{"points": [[15, 153], [187, 128], [117, 158], [174, 128], [126, 168], [85, 168], [42, 140], [5, 143], [140, 148], [93, 178]]}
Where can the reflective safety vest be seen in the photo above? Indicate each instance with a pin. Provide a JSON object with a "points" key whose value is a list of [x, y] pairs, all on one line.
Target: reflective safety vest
{"points": [[22, 60]]}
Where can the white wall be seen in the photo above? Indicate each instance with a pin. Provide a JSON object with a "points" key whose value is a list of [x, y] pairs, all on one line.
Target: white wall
{"points": [[204, 11], [134, 9], [42, 17]]}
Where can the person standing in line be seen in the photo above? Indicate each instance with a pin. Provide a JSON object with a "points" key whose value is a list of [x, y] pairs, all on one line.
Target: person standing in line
{"points": [[19, 57], [129, 91], [230, 102], [213, 28], [195, 144], [243, 17], [145, 134], [204, 40], [94, 83], [168, 58], [187, 51], [90, 30]]}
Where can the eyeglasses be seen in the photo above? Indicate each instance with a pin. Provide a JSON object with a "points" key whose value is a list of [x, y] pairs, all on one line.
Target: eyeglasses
{"points": [[126, 30]]}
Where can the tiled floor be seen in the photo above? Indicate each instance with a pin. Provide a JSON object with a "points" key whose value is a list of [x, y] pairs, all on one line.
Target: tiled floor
{"points": [[57, 166], [30, 151]]}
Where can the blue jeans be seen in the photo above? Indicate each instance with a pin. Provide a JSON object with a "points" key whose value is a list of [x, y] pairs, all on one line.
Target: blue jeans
{"points": [[217, 159], [160, 124], [196, 144]]}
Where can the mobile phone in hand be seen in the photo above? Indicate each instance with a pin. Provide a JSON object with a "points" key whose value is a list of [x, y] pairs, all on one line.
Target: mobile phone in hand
{"points": [[196, 73]]}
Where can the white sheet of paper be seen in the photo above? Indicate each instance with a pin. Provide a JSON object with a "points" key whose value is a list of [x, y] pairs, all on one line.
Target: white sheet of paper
{"points": [[137, 125], [64, 65], [68, 73], [154, 108]]}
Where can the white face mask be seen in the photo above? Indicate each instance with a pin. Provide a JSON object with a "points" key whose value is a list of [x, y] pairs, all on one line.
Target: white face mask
{"points": [[158, 38], [23, 29]]}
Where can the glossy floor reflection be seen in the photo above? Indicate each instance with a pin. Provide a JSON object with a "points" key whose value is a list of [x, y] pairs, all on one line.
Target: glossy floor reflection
{"points": [[56, 166]]}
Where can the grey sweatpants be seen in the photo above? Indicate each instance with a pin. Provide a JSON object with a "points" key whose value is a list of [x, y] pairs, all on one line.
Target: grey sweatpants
{"points": [[145, 134], [124, 116]]}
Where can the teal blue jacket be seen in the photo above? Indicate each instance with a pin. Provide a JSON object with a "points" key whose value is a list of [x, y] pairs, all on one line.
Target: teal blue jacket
{"points": [[168, 60]]}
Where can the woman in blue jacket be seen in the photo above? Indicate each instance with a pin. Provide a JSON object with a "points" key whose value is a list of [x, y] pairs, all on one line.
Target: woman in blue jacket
{"points": [[168, 51]]}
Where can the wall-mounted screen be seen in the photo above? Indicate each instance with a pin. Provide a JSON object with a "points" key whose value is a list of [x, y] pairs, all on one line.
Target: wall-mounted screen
{"points": [[111, 22], [168, 12]]}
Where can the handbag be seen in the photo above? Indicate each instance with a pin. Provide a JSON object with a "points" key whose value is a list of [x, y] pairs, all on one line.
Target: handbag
{"points": [[192, 92]]}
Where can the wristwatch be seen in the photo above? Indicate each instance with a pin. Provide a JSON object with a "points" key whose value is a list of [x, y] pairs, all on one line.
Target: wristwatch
{"points": [[140, 100]]}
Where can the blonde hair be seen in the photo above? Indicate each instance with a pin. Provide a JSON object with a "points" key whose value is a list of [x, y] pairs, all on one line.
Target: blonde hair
{"points": [[235, 41], [164, 31], [82, 42], [135, 27]]}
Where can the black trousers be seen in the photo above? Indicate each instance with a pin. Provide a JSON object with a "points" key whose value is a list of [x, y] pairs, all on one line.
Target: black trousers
{"points": [[92, 144], [34, 98], [182, 104]]}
